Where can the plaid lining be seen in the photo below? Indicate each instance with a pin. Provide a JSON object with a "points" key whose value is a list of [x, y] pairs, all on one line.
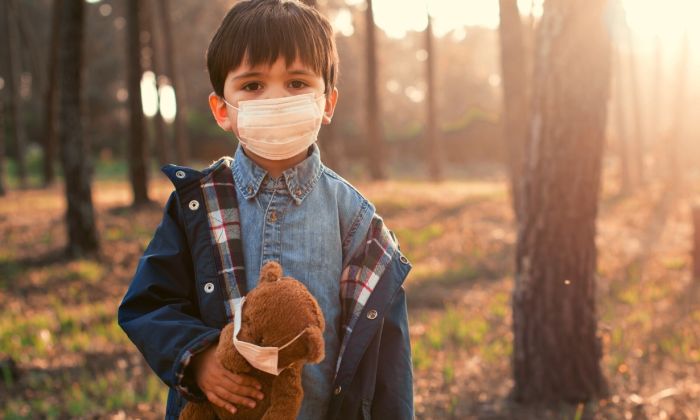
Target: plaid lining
{"points": [[357, 280], [221, 203], [180, 384], [225, 229], [360, 277]]}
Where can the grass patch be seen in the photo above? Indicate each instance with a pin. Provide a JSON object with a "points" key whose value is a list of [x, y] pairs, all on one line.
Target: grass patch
{"points": [[61, 328], [458, 329], [415, 241], [9, 268], [85, 396]]}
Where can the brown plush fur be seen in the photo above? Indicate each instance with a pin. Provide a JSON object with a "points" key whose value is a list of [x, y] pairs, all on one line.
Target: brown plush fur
{"points": [[274, 312]]}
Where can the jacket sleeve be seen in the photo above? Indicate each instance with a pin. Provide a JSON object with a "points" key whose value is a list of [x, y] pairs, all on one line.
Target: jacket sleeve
{"points": [[160, 313], [393, 394]]}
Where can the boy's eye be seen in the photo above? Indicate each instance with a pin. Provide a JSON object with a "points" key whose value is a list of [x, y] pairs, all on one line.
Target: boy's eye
{"points": [[250, 87], [297, 84]]}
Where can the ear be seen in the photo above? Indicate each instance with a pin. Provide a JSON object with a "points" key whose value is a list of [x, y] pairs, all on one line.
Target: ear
{"points": [[315, 348], [331, 101], [220, 112], [271, 272]]}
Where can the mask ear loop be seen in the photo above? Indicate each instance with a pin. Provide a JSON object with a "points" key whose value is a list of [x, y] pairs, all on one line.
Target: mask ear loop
{"points": [[227, 103]]}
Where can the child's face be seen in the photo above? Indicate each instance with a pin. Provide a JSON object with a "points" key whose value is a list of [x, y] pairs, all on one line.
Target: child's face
{"points": [[264, 82]]}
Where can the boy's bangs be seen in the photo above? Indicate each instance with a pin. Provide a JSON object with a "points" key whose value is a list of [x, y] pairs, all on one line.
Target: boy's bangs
{"points": [[289, 37], [261, 32]]}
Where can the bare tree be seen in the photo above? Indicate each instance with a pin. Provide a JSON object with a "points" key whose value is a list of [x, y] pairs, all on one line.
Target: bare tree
{"points": [[14, 69], [516, 99], [656, 93], [675, 174], [433, 141], [49, 137], [2, 147], [375, 150], [75, 153], [556, 352], [138, 169], [638, 148], [621, 123], [182, 151], [696, 242], [154, 43]]}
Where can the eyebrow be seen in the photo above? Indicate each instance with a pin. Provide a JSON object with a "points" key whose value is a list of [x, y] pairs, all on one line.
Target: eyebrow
{"points": [[258, 74], [301, 71], [248, 74]]}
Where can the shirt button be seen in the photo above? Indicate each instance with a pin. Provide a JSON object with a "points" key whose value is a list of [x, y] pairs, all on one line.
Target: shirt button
{"points": [[180, 174], [297, 192], [371, 314], [194, 205], [273, 216], [209, 287], [250, 189], [403, 259], [337, 390]]}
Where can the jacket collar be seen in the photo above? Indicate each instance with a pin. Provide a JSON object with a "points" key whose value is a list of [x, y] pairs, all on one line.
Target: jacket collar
{"points": [[299, 180]]}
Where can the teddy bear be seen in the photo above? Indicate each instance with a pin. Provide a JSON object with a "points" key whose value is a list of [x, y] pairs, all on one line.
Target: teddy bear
{"points": [[279, 311]]}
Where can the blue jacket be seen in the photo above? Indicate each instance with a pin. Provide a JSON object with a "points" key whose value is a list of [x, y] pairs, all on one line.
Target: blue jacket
{"points": [[169, 317]]}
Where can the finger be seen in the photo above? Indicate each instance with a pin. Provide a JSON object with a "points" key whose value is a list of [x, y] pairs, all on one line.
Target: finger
{"points": [[211, 396], [234, 396], [244, 380], [234, 382]]}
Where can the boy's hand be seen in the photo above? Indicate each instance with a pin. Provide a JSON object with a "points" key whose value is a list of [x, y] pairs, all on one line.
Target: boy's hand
{"points": [[221, 386]]}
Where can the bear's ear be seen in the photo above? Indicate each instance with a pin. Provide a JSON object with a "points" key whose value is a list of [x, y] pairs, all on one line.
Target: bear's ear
{"points": [[271, 272]]}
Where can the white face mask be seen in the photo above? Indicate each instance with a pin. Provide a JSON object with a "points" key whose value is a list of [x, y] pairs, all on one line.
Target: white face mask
{"points": [[280, 128], [263, 358]]}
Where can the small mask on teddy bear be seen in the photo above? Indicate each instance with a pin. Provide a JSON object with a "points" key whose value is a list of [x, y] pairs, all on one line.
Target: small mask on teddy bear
{"points": [[277, 331]]}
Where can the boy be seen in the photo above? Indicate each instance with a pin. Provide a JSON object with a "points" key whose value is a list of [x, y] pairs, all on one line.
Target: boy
{"points": [[273, 66]]}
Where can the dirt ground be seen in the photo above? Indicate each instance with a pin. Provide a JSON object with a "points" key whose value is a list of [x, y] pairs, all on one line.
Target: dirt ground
{"points": [[57, 319]]}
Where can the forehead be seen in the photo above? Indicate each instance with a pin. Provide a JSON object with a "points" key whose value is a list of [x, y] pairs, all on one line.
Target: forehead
{"points": [[279, 65]]}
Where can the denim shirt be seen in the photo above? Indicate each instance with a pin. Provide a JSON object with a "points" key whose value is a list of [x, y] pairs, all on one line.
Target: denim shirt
{"points": [[303, 219]]}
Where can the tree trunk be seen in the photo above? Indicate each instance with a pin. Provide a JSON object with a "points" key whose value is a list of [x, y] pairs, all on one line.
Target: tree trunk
{"points": [[556, 352], [433, 142], [656, 97], [639, 145], [138, 168], [49, 137], [14, 69], [516, 100], [75, 153], [375, 152], [159, 143], [675, 174], [182, 150], [621, 124], [2, 146], [696, 243], [331, 147]]}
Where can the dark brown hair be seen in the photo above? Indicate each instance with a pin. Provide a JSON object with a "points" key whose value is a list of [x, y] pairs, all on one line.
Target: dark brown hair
{"points": [[261, 31]]}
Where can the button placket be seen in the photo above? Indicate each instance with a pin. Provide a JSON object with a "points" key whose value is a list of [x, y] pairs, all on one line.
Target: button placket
{"points": [[271, 246]]}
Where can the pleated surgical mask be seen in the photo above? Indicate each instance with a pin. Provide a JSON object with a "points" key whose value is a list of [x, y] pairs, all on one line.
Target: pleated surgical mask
{"points": [[263, 358], [280, 128]]}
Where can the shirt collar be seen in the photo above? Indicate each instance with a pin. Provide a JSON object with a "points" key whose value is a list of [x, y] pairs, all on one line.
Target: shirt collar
{"points": [[300, 179]]}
